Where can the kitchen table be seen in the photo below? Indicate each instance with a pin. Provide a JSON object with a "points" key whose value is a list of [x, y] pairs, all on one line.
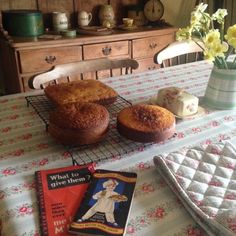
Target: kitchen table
{"points": [[26, 147]]}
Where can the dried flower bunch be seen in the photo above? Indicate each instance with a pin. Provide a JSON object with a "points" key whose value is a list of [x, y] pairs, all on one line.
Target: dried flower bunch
{"points": [[208, 31]]}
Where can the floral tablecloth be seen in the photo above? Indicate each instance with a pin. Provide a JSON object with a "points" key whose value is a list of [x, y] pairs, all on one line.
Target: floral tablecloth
{"points": [[25, 147]]}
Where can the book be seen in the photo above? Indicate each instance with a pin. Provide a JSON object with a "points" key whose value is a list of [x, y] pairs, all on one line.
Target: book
{"points": [[59, 192], [106, 205]]}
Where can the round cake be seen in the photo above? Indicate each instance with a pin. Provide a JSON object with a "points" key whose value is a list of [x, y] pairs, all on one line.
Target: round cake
{"points": [[146, 123], [79, 123]]}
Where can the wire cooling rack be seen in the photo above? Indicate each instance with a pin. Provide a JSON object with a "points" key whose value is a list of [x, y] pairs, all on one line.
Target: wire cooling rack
{"points": [[112, 147]]}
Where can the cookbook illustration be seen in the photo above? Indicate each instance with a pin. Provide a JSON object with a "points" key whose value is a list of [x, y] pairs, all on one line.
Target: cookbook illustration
{"points": [[105, 207]]}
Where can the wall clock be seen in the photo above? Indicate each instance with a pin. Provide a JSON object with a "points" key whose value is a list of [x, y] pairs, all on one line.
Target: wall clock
{"points": [[153, 10]]}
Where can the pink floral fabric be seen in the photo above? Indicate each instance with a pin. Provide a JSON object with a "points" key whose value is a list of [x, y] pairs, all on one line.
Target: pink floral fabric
{"points": [[26, 147]]}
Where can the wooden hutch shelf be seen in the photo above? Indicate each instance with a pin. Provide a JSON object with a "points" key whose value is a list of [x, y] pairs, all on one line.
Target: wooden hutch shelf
{"points": [[24, 57]]}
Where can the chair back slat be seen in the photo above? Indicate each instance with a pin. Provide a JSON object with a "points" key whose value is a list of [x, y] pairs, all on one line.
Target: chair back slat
{"points": [[178, 53], [80, 68]]}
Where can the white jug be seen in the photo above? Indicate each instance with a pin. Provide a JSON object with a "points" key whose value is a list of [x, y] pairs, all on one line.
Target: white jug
{"points": [[84, 18], [60, 21]]}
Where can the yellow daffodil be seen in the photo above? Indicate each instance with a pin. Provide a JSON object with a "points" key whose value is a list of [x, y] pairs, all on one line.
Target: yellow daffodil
{"points": [[231, 36], [201, 29], [211, 37], [219, 15], [218, 49], [184, 34], [201, 7], [208, 56]]}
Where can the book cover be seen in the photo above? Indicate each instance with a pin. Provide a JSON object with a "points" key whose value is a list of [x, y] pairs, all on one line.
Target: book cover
{"points": [[105, 207], [59, 193]]}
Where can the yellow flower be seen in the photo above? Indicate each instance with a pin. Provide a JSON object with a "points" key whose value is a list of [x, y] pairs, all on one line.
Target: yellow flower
{"points": [[231, 36], [212, 37], [194, 19], [219, 15], [215, 49], [202, 30], [201, 7], [219, 49], [208, 56], [184, 34]]}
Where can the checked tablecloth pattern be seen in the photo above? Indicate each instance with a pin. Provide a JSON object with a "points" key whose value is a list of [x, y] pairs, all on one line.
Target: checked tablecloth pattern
{"points": [[26, 147]]}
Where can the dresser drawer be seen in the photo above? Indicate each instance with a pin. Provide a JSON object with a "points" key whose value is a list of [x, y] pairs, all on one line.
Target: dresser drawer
{"points": [[43, 59], [113, 49], [147, 47]]}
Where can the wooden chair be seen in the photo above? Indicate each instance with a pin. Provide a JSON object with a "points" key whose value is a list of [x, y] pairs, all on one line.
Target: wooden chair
{"points": [[125, 66], [179, 53]]}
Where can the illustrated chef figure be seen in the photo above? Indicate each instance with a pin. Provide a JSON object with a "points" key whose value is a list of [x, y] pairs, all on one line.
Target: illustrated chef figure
{"points": [[105, 202]]}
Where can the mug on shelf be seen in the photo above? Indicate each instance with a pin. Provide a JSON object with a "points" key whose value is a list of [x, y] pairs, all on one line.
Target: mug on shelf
{"points": [[84, 18], [128, 22]]}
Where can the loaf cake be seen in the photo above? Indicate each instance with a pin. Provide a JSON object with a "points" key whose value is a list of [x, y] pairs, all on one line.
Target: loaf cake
{"points": [[81, 91], [79, 123], [178, 101], [146, 123]]}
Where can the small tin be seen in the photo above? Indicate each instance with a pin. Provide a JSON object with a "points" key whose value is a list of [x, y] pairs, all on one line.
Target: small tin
{"points": [[68, 33]]}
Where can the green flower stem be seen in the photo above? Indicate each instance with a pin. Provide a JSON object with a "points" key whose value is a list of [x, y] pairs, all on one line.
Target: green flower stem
{"points": [[220, 63], [222, 32], [234, 62], [226, 65], [212, 24], [199, 45], [230, 51], [200, 36]]}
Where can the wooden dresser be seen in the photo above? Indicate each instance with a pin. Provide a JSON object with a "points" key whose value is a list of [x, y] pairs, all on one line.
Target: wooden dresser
{"points": [[24, 57]]}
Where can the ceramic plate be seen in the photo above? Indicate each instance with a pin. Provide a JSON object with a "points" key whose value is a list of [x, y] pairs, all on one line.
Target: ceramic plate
{"points": [[201, 111], [133, 27], [94, 30]]}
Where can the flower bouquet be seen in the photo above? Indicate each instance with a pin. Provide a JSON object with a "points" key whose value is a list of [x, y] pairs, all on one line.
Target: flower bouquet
{"points": [[208, 31]]}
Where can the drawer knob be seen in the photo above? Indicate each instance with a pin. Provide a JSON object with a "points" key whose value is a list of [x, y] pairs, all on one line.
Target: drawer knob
{"points": [[106, 51], [50, 59], [152, 45]]}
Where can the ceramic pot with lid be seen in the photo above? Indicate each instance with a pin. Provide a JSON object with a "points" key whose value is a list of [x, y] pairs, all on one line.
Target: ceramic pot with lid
{"points": [[106, 14]]}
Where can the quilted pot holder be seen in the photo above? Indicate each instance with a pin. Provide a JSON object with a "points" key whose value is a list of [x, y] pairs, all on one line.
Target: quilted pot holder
{"points": [[204, 178]]}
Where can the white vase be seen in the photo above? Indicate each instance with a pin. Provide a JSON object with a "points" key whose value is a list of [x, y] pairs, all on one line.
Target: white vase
{"points": [[221, 89]]}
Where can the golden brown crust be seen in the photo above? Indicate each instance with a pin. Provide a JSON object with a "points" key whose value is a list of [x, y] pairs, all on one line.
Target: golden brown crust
{"points": [[146, 123], [79, 123], [79, 115], [81, 91]]}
